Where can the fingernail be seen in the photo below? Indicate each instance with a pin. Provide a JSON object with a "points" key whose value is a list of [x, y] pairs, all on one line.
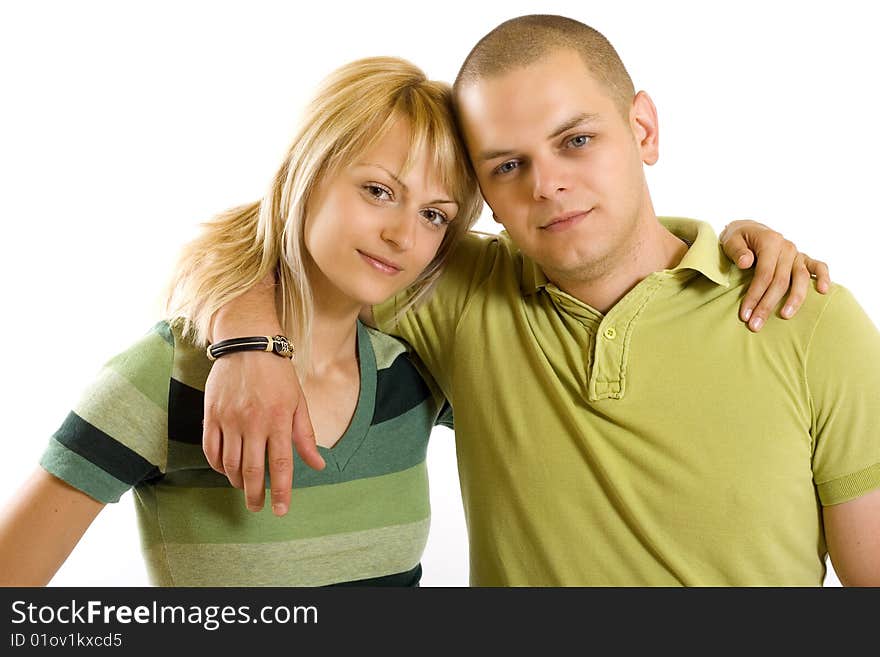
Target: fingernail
{"points": [[279, 509], [743, 259], [747, 314], [757, 324], [787, 312]]}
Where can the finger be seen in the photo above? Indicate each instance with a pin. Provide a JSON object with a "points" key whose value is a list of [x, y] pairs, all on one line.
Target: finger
{"points": [[745, 259], [232, 458], [304, 437], [819, 270], [764, 272], [737, 249], [212, 444], [253, 471], [800, 282], [779, 285], [280, 455]]}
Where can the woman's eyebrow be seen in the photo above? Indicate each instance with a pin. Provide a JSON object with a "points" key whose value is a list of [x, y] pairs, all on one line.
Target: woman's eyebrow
{"points": [[439, 201]]}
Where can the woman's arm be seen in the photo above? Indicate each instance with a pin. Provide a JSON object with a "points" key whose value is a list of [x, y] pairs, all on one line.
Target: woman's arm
{"points": [[40, 527]]}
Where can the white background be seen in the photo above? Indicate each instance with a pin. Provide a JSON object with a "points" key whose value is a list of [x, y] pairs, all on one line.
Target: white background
{"points": [[123, 125]]}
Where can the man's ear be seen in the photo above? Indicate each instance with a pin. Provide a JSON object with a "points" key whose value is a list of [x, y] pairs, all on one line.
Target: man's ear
{"points": [[643, 121]]}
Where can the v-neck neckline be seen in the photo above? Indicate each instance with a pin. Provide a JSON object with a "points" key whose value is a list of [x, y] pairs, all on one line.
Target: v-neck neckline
{"points": [[348, 444]]}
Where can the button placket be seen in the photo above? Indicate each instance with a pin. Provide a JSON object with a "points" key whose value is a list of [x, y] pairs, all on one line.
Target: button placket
{"points": [[608, 361], [610, 366]]}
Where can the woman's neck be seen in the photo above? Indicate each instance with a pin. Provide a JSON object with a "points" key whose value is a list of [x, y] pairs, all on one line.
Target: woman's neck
{"points": [[334, 337]]}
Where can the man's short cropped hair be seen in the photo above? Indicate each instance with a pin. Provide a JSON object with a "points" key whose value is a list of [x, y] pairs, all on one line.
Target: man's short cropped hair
{"points": [[521, 41]]}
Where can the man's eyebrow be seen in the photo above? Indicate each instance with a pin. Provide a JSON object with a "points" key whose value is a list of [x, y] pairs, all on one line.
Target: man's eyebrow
{"points": [[438, 201], [491, 155], [584, 117]]}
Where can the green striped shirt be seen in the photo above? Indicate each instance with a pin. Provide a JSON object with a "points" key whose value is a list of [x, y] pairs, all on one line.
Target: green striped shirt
{"points": [[363, 519]]}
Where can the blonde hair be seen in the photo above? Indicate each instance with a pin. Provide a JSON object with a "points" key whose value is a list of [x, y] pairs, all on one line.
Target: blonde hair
{"points": [[353, 109]]}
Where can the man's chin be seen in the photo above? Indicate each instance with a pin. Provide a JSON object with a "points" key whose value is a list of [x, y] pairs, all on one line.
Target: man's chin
{"points": [[574, 266]]}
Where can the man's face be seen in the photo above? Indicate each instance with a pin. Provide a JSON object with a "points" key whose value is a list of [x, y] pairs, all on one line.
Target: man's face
{"points": [[559, 164]]}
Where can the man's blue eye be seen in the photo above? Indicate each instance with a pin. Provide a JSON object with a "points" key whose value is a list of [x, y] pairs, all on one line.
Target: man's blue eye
{"points": [[507, 167], [579, 140]]}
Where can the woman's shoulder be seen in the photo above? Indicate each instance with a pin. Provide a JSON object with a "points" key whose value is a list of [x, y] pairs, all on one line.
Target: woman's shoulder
{"points": [[400, 371], [386, 348], [190, 363]]}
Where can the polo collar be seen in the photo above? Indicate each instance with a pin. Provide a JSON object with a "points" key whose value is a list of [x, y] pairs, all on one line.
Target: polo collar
{"points": [[705, 255]]}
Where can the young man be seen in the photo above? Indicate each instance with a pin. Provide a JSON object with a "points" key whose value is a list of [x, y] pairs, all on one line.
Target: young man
{"points": [[615, 423]]}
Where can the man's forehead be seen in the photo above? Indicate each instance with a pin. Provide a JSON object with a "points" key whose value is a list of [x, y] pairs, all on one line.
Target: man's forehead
{"points": [[556, 67], [540, 97]]}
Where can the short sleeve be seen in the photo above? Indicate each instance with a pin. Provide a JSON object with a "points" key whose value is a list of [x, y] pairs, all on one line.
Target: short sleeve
{"points": [[843, 378], [430, 328], [116, 437]]}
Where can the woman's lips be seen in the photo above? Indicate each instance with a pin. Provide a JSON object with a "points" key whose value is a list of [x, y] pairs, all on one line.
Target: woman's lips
{"points": [[380, 264]]}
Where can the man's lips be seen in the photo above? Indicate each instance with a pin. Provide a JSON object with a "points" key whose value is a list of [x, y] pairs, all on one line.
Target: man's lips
{"points": [[565, 221], [381, 264]]}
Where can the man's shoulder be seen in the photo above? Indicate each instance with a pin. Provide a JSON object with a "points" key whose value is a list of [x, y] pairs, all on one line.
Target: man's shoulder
{"points": [[814, 306], [479, 254], [838, 313], [478, 244]]}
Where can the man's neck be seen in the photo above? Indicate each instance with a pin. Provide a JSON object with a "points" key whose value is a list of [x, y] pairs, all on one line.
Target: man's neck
{"points": [[653, 248]]}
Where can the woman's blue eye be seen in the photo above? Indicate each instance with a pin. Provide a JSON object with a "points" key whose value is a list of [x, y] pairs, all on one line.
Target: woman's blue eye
{"points": [[579, 140]]}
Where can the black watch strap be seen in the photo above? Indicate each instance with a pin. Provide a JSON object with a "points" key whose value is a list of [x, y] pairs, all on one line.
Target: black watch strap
{"points": [[276, 344]]}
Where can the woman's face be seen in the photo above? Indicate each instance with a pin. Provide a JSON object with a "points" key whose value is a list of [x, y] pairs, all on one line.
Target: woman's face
{"points": [[371, 230]]}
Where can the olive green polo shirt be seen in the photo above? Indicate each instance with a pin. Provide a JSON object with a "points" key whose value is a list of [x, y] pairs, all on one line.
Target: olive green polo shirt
{"points": [[661, 443]]}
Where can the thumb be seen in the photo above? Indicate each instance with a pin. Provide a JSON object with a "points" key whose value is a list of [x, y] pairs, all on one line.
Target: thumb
{"points": [[304, 437], [745, 259], [736, 247]]}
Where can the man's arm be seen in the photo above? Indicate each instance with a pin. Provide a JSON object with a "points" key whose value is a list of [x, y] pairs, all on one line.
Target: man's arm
{"points": [[779, 267], [842, 374], [254, 405], [852, 532], [253, 401]]}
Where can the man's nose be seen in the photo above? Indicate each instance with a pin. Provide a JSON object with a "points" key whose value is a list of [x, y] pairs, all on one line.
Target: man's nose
{"points": [[549, 179]]}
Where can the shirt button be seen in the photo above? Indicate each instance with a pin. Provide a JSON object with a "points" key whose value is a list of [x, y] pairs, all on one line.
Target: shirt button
{"points": [[610, 333]]}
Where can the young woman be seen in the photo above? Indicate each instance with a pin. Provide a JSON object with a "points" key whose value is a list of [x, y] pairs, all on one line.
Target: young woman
{"points": [[368, 203]]}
